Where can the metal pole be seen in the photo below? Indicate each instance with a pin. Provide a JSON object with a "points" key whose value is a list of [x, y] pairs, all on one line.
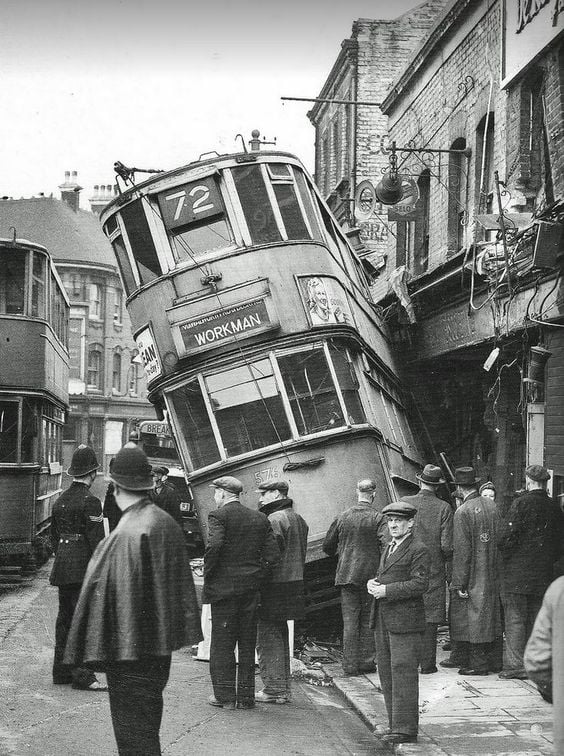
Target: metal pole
{"points": [[502, 226], [338, 102]]}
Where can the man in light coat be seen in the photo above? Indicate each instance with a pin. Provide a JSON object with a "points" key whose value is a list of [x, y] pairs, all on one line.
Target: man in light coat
{"points": [[433, 526], [475, 608], [282, 597], [358, 535]]}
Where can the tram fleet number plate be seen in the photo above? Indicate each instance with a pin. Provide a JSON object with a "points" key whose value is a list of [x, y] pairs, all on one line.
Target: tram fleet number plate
{"points": [[190, 202]]}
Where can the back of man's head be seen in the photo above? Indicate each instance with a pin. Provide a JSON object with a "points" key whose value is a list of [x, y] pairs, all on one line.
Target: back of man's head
{"points": [[366, 489]]}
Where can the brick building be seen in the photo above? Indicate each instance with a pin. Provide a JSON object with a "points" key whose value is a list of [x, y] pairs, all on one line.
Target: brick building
{"points": [[351, 140], [480, 286], [107, 386]]}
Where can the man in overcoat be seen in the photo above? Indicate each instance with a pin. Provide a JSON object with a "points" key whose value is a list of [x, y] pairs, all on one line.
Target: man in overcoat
{"points": [[358, 536], [399, 619], [76, 530], [433, 526], [137, 605], [241, 548], [282, 597], [475, 606], [165, 494], [544, 656], [530, 541]]}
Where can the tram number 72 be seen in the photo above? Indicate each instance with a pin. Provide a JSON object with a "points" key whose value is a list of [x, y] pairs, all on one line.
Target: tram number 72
{"points": [[190, 202], [267, 475]]}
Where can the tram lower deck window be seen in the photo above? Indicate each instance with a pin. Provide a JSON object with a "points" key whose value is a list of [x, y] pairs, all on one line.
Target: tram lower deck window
{"points": [[9, 415], [190, 409]]}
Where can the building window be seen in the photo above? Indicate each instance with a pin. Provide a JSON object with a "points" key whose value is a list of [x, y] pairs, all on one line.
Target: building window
{"points": [[456, 197], [116, 372], [134, 379], [118, 305], [420, 261], [95, 369], [536, 169], [405, 239], [337, 149], [485, 164], [95, 309], [325, 165]]}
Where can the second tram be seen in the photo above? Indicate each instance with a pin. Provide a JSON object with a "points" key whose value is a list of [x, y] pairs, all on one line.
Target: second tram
{"points": [[259, 338], [34, 315]]}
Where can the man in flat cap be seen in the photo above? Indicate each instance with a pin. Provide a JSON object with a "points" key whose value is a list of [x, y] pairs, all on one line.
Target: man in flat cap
{"points": [[165, 494], [358, 536], [530, 542], [241, 548], [282, 597], [136, 607], [76, 529], [399, 619], [433, 526], [475, 607]]}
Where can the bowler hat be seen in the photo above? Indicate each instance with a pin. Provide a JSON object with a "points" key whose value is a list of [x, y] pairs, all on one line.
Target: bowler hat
{"points": [[275, 485], [400, 509], [431, 474], [228, 483], [160, 469], [130, 469], [537, 473], [465, 476], [83, 462]]}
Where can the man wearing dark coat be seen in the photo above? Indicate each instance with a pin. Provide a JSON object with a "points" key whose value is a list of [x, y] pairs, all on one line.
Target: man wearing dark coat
{"points": [[241, 548], [165, 494], [530, 542], [282, 597], [136, 607], [399, 618], [358, 535], [475, 607], [76, 530], [433, 526]]}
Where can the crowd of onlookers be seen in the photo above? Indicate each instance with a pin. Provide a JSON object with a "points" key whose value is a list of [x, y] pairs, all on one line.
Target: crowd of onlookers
{"points": [[495, 563]]}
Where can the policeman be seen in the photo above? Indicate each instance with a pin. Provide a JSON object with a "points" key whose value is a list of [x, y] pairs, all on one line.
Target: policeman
{"points": [[76, 530]]}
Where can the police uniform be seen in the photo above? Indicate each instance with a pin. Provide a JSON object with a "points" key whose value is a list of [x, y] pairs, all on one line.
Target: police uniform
{"points": [[76, 530]]}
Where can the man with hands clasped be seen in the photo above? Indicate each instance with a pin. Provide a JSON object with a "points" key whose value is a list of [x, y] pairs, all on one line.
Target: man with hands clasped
{"points": [[399, 619]]}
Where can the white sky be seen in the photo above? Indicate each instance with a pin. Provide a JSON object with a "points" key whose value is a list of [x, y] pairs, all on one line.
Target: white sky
{"points": [[155, 83]]}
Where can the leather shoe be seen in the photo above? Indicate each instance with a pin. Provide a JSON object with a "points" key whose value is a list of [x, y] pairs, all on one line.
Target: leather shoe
{"points": [[95, 686], [473, 672], [513, 674], [450, 664], [428, 670], [398, 737], [212, 700], [245, 705]]}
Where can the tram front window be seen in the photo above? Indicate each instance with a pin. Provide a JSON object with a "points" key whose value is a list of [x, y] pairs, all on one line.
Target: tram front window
{"points": [[248, 408], [311, 391], [192, 416], [199, 240]]}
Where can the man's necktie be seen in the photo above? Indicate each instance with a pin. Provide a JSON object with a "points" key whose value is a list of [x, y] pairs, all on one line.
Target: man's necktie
{"points": [[393, 546]]}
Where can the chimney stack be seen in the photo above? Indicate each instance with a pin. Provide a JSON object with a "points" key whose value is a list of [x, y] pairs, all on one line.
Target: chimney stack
{"points": [[103, 194], [70, 190]]}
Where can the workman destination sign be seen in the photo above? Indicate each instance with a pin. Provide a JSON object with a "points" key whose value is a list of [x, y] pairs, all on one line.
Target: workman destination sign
{"points": [[238, 321]]}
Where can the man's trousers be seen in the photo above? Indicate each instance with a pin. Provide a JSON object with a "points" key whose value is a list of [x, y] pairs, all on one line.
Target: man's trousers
{"points": [[398, 669], [520, 612], [358, 638], [136, 703], [273, 646], [234, 622], [80, 677]]}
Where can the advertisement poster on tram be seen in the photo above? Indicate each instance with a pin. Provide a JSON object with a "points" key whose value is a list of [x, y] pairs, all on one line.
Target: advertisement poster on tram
{"points": [[325, 301]]}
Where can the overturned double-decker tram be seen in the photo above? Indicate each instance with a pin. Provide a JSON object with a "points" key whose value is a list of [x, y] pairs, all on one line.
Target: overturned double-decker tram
{"points": [[260, 342]]}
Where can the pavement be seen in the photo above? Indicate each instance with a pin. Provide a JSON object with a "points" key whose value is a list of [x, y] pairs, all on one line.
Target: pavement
{"points": [[460, 716]]}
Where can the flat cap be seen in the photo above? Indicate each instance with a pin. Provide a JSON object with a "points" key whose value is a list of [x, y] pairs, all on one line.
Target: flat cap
{"points": [[228, 483], [274, 485], [160, 469], [537, 472], [487, 485], [366, 486], [400, 509]]}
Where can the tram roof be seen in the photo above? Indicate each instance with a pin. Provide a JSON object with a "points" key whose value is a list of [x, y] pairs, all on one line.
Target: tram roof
{"points": [[70, 236], [214, 159]]}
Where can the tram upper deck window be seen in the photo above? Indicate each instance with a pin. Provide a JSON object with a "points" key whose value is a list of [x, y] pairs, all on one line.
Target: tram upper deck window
{"points": [[194, 216], [190, 409], [141, 241], [256, 204], [248, 407], [311, 391], [12, 282], [38, 286]]}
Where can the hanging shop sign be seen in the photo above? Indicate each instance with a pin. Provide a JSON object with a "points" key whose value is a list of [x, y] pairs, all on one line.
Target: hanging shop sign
{"points": [[325, 301], [149, 354], [222, 326], [406, 208], [529, 27]]}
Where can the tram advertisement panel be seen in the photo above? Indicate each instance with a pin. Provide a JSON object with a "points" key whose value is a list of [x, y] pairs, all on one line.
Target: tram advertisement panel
{"points": [[148, 353], [325, 301]]}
